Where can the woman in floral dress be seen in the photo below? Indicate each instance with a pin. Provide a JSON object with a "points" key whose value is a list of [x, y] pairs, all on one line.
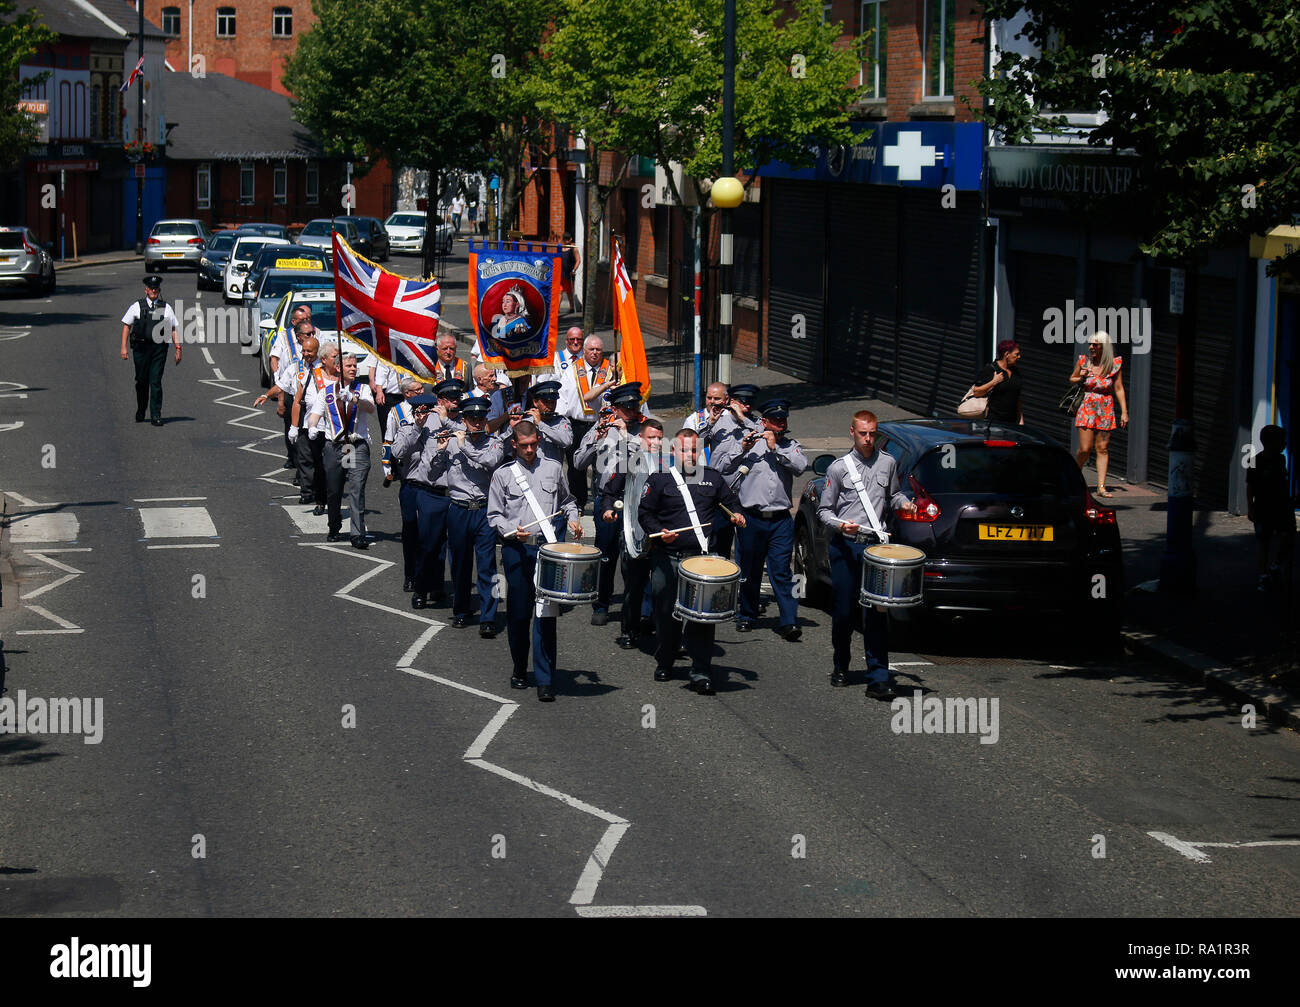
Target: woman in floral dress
{"points": [[1099, 370]]}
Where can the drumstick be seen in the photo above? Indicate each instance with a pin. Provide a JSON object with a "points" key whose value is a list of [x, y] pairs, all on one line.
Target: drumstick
{"points": [[540, 520], [670, 531]]}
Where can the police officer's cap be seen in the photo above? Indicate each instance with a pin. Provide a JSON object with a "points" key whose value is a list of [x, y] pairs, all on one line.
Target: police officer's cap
{"points": [[628, 395], [744, 393], [449, 388], [545, 390], [423, 400], [153, 280], [775, 409], [474, 405]]}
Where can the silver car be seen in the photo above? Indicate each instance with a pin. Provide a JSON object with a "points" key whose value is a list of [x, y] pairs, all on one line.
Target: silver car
{"points": [[175, 243], [317, 233], [24, 262]]}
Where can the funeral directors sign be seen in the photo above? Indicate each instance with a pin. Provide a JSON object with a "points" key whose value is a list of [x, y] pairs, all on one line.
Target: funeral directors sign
{"points": [[1026, 181]]}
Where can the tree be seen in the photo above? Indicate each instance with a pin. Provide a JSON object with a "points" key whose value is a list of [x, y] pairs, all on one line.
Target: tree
{"points": [[20, 36], [1208, 96], [645, 77]]}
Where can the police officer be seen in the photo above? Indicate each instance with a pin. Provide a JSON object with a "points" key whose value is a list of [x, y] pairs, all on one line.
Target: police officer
{"points": [[771, 459], [607, 446], [521, 498], [145, 326], [686, 495], [468, 459], [609, 507], [404, 415], [855, 506]]}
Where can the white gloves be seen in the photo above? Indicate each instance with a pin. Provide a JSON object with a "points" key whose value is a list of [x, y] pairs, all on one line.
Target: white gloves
{"points": [[312, 434], [293, 435]]}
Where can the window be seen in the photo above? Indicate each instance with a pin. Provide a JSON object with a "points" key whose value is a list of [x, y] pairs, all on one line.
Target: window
{"points": [[631, 228], [312, 184], [245, 183], [203, 186], [171, 20], [871, 75], [940, 38], [281, 184], [225, 22], [662, 236], [282, 22]]}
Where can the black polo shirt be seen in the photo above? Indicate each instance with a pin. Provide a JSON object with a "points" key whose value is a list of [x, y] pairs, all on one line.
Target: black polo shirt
{"points": [[1004, 398]]}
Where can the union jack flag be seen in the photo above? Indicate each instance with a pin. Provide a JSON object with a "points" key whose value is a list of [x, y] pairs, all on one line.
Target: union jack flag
{"points": [[396, 317], [137, 72]]}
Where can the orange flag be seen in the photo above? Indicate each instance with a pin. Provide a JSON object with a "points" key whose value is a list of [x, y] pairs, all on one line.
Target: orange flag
{"points": [[631, 349]]}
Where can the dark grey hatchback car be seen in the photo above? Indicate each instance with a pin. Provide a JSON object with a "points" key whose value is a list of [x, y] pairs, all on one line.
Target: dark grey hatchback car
{"points": [[1004, 519]]}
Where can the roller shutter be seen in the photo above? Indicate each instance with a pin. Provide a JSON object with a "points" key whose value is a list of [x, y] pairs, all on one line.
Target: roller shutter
{"points": [[1042, 282], [797, 285], [862, 293]]}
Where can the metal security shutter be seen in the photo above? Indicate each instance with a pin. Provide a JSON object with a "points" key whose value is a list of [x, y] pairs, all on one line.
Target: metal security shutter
{"points": [[1215, 378], [1114, 285], [797, 286], [862, 267], [939, 321], [1042, 282]]}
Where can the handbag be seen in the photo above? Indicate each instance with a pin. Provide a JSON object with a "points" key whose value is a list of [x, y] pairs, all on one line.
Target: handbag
{"points": [[1072, 399], [973, 407]]}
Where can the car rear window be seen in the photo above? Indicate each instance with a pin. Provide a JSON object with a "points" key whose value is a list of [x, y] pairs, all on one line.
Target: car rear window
{"points": [[175, 227], [1026, 470], [406, 220], [11, 239], [278, 286], [247, 248], [317, 227], [221, 242]]}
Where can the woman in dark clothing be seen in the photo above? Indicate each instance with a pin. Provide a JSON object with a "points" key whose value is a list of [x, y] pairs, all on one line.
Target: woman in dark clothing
{"points": [[1001, 383]]}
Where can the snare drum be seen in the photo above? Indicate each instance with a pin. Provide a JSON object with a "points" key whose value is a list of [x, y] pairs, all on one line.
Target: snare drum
{"points": [[892, 576], [567, 572], [706, 589]]}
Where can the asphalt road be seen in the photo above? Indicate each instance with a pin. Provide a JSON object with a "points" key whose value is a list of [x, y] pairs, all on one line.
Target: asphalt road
{"points": [[224, 701]]}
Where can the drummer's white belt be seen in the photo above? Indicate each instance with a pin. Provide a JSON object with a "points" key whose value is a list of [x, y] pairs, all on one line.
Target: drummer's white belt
{"points": [[543, 607], [855, 477], [690, 510]]}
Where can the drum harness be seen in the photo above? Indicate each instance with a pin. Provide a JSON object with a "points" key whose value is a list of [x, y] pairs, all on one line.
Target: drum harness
{"points": [[690, 510], [855, 477], [543, 606]]}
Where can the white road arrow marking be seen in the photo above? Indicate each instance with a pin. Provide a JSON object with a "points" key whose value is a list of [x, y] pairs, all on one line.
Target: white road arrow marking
{"points": [[1192, 850], [71, 573]]}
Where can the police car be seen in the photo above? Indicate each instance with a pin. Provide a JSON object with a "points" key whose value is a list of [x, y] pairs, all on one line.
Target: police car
{"points": [[322, 304]]}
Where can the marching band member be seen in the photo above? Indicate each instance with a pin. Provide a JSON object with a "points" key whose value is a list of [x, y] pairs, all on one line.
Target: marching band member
{"points": [[636, 572], [703, 421], [607, 446], [685, 495], [343, 406], [403, 415], [855, 505], [521, 499], [556, 430], [772, 459], [468, 460]]}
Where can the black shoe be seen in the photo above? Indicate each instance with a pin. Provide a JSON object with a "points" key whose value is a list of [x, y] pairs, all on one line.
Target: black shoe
{"points": [[881, 690], [839, 678], [297, 481], [288, 465], [305, 498], [663, 674], [545, 694], [744, 627], [460, 622], [419, 600], [626, 642], [359, 542], [518, 682], [702, 687], [407, 586], [789, 633], [599, 617], [318, 510], [139, 417], [487, 630], [156, 421]]}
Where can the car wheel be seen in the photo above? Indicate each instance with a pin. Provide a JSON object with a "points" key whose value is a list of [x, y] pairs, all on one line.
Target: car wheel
{"points": [[803, 564]]}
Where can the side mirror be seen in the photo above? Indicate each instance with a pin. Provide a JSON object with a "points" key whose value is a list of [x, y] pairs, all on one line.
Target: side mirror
{"points": [[821, 463]]}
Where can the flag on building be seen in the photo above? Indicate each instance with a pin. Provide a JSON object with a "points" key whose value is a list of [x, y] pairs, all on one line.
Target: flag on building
{"points": [[395, 317], [631, 348], [514, 304], [137, 72]]}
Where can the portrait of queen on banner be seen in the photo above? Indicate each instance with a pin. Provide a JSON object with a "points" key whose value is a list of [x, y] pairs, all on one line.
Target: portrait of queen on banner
{"points": [[514, 304]]}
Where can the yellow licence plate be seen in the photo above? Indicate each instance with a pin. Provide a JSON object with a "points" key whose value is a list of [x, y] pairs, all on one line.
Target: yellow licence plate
{"points": [[298, 264], [172, 255], [1017, 532], [6, 259]]}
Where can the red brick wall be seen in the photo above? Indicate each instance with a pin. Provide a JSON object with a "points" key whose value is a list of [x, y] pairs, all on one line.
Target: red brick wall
{"points": [[252, 55]]}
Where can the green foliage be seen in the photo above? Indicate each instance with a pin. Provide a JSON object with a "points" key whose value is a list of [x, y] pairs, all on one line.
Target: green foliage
{"points": [[20, 36], [1206, 93]]}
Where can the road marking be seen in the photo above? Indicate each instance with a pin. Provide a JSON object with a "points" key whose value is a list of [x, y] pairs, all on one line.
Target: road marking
{"points": [[631, 911], [68, 627], [61, 526], [5, 427], [585, 891], [206, 355], [485, 736], [166, 499], [31, 503], [177, 522], [1192, 850], [191, 545], [217, 372], [13, 395], [312, 524], [909, 664]]}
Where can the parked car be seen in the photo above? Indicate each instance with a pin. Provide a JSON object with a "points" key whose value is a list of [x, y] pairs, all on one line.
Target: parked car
{"points": [[406, 232], [1004, 519], [317, 234], [177, 242], [374, 239], [241, 257], [280, 257], [262, 299], [266, 230], [212, 263], [323, 316], [24, 262]]}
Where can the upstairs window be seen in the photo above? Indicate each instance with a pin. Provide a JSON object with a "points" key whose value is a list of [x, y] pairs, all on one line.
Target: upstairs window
{"points": [[225, 22], [171, 20], [282, 22]]}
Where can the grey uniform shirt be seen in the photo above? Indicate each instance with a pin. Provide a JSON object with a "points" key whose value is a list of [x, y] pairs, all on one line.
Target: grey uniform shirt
{"points": [[468, 467], [416, 446], [607, 452], [725, 428], [508, 507], [557, 436], [769, 484], [839, 499]]}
